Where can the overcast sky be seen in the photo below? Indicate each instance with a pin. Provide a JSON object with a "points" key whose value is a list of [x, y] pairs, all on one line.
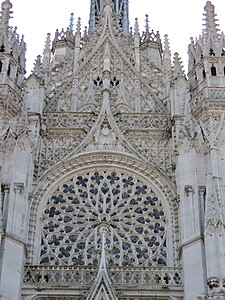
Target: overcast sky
{"points": [[180, 19]]}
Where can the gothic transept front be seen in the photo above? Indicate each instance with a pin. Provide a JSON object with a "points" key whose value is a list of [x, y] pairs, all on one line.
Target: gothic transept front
{"points": [[112, 163]]}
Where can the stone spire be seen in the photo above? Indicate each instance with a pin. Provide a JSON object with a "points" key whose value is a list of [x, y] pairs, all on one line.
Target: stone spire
{"points": [[5, 16], [178, 67], [120, 7], [47, 52], [71, 22], [211, 31], [11, 44]]}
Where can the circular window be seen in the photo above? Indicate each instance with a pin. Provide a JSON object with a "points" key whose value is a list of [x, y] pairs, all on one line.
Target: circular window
{"points": [[131, 214]]}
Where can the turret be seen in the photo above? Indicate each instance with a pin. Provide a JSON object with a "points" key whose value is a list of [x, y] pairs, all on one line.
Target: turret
{"points": [[151, 45], [63, 43], [206, 53], [12, 51]]}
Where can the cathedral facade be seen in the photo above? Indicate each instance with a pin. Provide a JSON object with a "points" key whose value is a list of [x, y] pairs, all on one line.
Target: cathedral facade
{"points": [[112, 163]]}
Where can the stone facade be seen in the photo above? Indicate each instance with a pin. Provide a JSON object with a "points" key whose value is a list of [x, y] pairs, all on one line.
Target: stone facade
{"points": [[112, 163]]}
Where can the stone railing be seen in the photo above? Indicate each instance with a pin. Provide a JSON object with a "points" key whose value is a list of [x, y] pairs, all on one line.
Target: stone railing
{"points": [[130, 277], [62, 120]]}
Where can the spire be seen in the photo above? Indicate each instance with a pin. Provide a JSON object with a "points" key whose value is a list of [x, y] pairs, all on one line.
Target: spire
{"points": [[47, 52], [167, 66], [178, 67], [6, 7], [120, 7], [146, 34], [71, 22], [211, 31]]}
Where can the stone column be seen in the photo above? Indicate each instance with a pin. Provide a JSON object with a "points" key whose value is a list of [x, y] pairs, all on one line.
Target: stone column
{"points": [[189, 214]]}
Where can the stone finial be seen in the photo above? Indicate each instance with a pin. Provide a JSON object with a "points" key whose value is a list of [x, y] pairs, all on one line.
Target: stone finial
{"points": [[71, 22], [136, 26], [78, 28], [146, 24]]}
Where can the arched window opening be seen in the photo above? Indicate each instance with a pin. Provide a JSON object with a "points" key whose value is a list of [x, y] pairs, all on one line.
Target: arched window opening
{"points": [[223, 52], [9, 70], [1, 66], [2, 48], [211, 52], [213, 71], [203, 74], [224, 71], [125, 206]]}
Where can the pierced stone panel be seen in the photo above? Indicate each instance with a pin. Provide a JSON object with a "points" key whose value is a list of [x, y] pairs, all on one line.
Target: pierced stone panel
{"points": [[125, 205]]}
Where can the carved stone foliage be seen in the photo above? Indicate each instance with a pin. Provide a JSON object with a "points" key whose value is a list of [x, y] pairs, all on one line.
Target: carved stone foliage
{"points": [[155, 148], [214, 219], [126, 205], [212, 124], [54, 147]]}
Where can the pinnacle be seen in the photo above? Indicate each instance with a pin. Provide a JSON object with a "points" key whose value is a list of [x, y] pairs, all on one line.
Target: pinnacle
{"points": [[6, 5], [211, 30]]}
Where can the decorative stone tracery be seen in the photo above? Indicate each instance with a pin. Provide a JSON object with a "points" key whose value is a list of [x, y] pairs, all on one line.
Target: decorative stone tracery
{"points": [[110, 162], [127, 206]]}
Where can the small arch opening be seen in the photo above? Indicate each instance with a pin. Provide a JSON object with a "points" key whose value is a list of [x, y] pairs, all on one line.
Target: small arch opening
{"points": [[2, 48], [224, 71], [9, 70], [203, 74], [223, 52], [211, 52], [213, 71]]}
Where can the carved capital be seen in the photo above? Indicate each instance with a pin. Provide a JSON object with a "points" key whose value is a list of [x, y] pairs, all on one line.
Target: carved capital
{"points": [[189, 190], [201, 190], [5, 188], [217, 287], [213, 283], [18, 187]]}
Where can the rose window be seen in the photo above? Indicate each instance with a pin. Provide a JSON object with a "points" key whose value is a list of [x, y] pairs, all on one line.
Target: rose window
{"points": [[125, 205]]}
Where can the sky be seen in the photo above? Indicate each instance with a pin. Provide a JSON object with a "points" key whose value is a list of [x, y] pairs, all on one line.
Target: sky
{"points": [[180, 19]]}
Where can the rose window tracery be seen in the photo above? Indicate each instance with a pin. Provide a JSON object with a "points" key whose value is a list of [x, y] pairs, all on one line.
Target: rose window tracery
{"points": [[125, 205]]}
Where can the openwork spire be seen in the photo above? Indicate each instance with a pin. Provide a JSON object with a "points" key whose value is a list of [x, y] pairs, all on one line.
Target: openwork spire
{"points": [[120, 7]]}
